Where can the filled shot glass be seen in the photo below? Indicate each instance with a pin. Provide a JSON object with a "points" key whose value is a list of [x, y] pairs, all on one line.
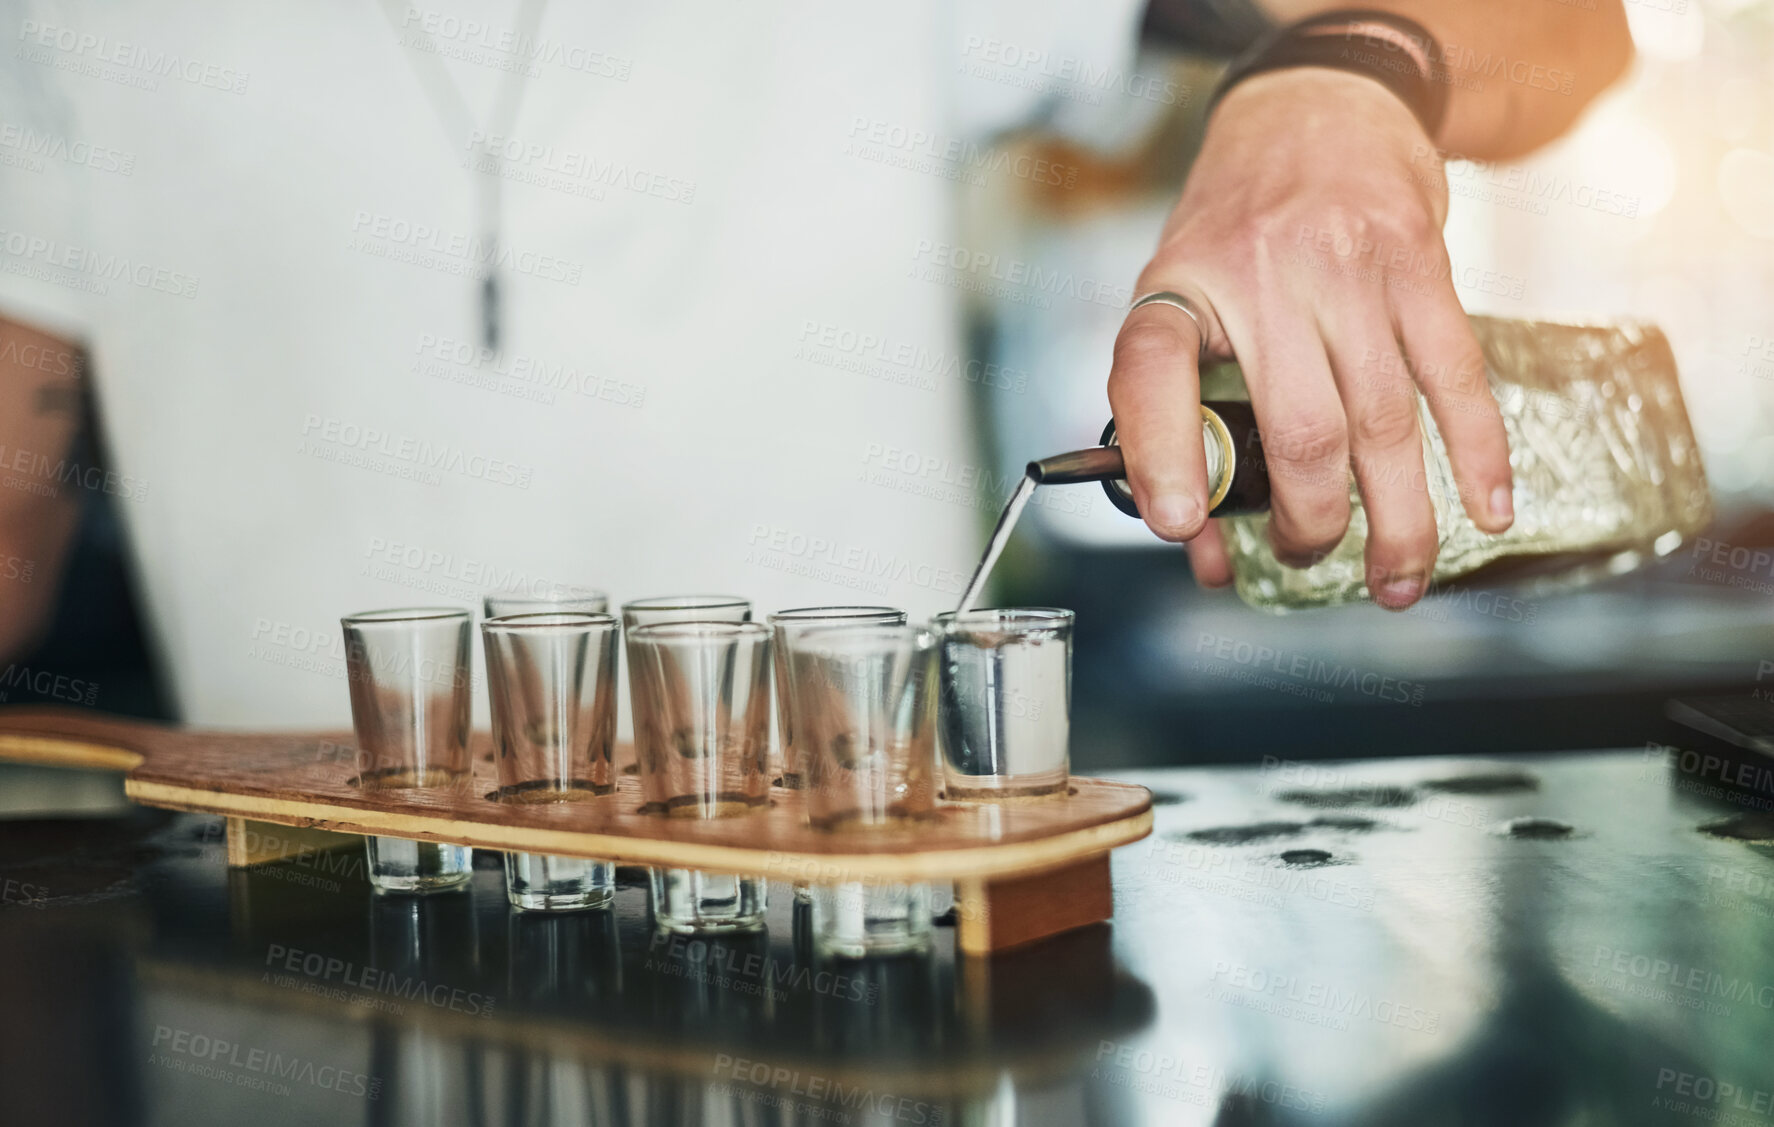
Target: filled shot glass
{"points": [[545, 598], [1004, 717], [866, 708], [410, 697], [552, 681], [706, 686]]}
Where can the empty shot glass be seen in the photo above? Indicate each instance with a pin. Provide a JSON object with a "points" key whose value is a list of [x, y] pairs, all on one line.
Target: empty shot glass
{"points": [[552, 681], [410, 697], [785, 624], [653, 612], [543, 598], [1004, 718], [865, 700], [707, 688]]}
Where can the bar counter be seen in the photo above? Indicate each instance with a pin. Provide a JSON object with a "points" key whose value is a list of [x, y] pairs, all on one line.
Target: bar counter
{"points": [[1522, 939]]}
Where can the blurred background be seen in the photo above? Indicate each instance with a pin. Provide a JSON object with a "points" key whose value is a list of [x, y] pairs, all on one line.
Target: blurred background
{"points": [[1660, 205]]}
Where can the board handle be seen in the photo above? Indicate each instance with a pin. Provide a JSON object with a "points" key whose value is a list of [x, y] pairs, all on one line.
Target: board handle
{"points": [[71, 737]]}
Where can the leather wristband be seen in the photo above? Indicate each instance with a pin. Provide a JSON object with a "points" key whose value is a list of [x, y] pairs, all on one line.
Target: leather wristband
{"points": [[1397, 52]]}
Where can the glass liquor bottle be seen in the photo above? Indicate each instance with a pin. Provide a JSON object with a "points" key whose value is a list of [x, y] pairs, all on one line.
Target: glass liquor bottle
{"points": [[1607, 473]]}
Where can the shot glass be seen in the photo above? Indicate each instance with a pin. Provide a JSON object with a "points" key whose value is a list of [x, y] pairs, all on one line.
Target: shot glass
{"points": [[544, 599], [707, 688], [653, 612], [408, 673], [552, 680], [1004, 717], [785, 624], [865, 701]]}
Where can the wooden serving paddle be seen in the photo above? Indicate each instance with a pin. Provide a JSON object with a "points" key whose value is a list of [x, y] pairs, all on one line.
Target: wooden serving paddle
{"points": [[1023, 869]]}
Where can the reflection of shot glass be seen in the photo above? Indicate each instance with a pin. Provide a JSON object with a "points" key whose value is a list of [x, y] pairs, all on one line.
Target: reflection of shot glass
{"points": [[707, 688], [408, 672], [544, 599], [865, 700], [785, 624], [1006, 687], [552, 680]]}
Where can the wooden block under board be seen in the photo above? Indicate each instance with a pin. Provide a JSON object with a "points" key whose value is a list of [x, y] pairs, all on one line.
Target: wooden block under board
{"points": [[996, 915], [253, 842]]}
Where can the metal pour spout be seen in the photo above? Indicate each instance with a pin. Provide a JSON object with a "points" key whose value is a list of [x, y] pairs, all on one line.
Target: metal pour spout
{"points": [[1097, 463]]}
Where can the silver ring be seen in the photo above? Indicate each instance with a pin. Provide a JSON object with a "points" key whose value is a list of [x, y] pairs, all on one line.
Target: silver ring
{"points": [[1178, 301]]}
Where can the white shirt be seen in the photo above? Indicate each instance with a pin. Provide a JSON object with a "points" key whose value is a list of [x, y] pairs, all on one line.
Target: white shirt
{"points": [[726, 297]]}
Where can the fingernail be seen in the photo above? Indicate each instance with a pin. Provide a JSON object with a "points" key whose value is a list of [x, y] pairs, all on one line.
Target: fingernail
{"points": [[1174, 511], [1398, 593], [1502, 503]]}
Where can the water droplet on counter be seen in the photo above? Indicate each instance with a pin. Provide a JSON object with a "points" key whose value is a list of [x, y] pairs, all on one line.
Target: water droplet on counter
{"points": [[1351, 796], [1498, 782], [1306, 857], [1536, 829], [1351, 822], [1268, 831], [1742, 827], [1243, 835]]}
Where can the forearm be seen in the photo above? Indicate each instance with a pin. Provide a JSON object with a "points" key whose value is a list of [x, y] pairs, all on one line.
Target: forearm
{"points": [[1519, 71], [40, 411]]}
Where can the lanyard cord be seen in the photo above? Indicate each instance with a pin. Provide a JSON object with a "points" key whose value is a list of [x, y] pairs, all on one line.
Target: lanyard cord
{"points": [[451, 110]]}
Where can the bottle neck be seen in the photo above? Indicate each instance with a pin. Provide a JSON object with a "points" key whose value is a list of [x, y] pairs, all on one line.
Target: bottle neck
{"points": [[1240, 482], [1222, 456], [1221, 451]]}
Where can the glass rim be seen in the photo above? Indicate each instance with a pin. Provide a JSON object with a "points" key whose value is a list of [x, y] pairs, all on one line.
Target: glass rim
{"points": [[687, 602], [666, 630], [404, 614], [556, 594], [864, 630], [826, 640], [858, 613], [1048, 617], [556, 620]]}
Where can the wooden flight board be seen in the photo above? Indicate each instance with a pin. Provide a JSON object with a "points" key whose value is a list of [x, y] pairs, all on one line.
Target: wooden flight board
{"points": [[991, 850]]}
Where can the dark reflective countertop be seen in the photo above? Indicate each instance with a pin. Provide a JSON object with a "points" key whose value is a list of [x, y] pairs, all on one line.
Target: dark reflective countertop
{"points": [[1523, 940]]}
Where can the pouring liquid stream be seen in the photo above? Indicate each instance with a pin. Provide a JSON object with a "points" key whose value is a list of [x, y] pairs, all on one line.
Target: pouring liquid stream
{"points": [[1013, 509]]}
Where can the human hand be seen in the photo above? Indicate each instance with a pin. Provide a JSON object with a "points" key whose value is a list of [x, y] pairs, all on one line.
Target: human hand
{"points": [[1309, 234]]}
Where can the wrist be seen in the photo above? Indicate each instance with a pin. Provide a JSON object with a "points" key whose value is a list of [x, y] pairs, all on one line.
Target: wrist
{"points": [[1319, 99], [1391, 51]]}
